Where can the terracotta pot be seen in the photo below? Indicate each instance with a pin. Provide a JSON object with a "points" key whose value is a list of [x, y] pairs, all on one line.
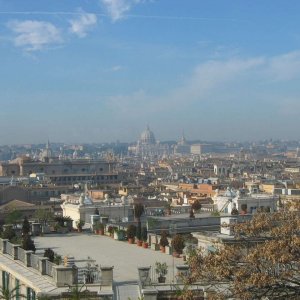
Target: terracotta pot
{"points": [[162, 249], [161, 279], [145, 245], [101, 231], [139, 243], [131, 240], [97, 231]]}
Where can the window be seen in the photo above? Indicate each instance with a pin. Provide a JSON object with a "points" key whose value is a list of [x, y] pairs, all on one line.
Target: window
{"points": [[5, 280], [17, 289], [30, 294]]}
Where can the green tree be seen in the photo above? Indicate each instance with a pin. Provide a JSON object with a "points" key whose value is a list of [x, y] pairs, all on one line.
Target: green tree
{"points": [[196, 205], [25, 226], [9, 233], [13, 217], [28, 243], [50, 254], [44, 215], [178, 243]]}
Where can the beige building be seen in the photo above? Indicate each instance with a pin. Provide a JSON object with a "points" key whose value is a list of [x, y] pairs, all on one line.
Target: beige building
{"points": [[196, 149], [62, 172], [33, 276]]}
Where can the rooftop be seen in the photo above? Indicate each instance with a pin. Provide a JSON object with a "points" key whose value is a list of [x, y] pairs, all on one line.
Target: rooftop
{"points": [[106, 251]]}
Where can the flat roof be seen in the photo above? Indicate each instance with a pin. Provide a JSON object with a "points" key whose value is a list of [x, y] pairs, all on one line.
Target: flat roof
{"points": [[106, 251]]}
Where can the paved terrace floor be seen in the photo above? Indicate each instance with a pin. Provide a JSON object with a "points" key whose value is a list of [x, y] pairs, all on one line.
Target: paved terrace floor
{"points": [[106, 251]]}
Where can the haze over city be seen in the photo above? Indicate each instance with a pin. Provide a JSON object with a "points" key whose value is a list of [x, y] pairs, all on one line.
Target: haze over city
{"points": [[95, 71]]}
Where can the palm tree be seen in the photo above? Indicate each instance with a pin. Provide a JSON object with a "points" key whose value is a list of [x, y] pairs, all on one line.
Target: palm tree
{"points": [[10, 294]]}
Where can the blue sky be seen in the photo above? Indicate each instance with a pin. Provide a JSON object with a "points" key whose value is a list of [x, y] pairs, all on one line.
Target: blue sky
{"points": [[100, 70]]}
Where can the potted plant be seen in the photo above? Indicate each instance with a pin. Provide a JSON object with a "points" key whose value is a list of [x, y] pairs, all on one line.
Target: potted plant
{"points": [[110, 230], [161, 270], [120, 234], [163, 242], [80, 223], [145, 237], [131, 231], [99, 228], [178, 245]]}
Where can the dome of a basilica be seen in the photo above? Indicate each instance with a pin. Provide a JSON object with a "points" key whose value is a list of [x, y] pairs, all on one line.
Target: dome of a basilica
{"points": [[147, 137]]}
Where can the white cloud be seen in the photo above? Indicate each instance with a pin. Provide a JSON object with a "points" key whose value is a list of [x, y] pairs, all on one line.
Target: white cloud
{"points": [[34, 35], [116, 68], [117, 8], [284, 67], [82, 24], [234, 83]]}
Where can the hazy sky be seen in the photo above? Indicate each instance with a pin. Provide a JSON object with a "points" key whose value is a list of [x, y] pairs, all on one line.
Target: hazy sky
{"points": [[101, 70]]}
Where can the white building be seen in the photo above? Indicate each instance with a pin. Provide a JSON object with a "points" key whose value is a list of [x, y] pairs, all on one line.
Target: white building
{"points": [[147, 145], [246, 203]]}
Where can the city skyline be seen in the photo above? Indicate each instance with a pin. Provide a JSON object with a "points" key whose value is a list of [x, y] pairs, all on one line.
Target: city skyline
{"points": [[100, 71]]}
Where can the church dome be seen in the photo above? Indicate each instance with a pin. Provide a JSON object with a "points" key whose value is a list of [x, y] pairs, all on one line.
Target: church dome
{"points": [[147, 137]]}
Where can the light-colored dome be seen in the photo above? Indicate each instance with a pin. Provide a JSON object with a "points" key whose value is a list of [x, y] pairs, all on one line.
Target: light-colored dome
{"points": [[147, 137]]}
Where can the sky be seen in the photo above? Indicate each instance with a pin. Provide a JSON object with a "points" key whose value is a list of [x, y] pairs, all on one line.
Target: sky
{"points": [[102, 70]]}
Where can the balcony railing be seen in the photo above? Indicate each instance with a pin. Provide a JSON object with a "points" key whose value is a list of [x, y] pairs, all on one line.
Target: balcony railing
{"points": [[34, 261], [49, 268], [21, 255], [9, 248]]}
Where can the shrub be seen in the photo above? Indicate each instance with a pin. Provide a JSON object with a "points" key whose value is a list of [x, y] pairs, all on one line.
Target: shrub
{"points": [[28, 243], [62, 220], [161, 268], [98, 226], [26, 226], [163, 242], [111, 229], [131, 231], [9, 233], [80, 224], [50, 254], [57, 259], [178, 243]]}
